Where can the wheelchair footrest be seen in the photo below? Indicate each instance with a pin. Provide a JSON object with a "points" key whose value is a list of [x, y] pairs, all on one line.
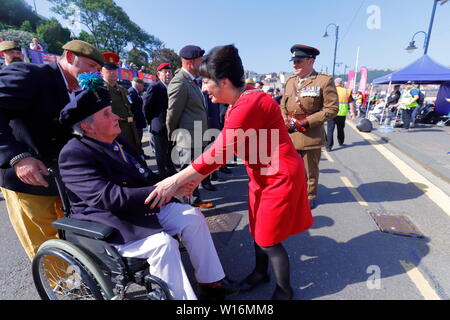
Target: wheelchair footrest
{"points": [[85, 228]]}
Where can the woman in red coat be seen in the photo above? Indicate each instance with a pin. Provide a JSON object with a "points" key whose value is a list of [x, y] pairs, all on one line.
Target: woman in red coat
{"points": [[254, 130]]}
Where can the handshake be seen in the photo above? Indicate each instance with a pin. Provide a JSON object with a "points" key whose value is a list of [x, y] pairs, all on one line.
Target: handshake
{"points": [[295, 125]]}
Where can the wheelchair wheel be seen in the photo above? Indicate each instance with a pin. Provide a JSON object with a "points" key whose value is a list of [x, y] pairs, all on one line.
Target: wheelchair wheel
{"points": [[62, 271]]}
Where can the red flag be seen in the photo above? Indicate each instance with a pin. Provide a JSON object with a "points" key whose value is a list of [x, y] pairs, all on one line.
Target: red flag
{"points": [[147, 77], [126, 74], [49, 58], [363, 81]]}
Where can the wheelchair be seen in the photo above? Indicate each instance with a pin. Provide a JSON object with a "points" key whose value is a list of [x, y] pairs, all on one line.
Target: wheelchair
{"points": [[81, 265]]}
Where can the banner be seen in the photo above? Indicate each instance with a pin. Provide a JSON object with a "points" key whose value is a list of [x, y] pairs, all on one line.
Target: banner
{"points": [[351, 80], [442, 104], [147, 77], [363, 80]]}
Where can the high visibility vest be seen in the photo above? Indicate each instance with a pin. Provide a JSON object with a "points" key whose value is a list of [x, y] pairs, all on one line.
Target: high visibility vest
{"points": [[344, 96], [405, 99]]}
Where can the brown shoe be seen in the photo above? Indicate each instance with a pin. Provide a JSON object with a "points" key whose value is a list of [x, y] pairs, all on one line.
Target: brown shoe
{"points": [[203, 205], [217, 290]]}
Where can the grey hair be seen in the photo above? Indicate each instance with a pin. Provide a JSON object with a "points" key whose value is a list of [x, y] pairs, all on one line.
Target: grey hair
{"points": [[76, 128]]}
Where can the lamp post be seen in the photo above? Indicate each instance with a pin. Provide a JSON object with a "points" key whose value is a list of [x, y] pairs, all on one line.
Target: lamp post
{"points": [[335, 43], [412, 43], [427, 40]]}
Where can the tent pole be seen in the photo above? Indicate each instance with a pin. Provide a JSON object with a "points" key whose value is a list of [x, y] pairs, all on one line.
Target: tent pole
{"points": [[385, 102], [368, 102]]}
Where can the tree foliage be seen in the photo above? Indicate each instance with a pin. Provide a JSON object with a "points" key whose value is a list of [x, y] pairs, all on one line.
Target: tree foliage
{"points": [[164, 55], [23, 38], [107, 26], [15, 12], [53, 34]]}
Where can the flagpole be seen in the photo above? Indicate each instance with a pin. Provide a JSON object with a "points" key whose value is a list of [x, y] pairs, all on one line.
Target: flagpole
{"points": [[356, 69]]}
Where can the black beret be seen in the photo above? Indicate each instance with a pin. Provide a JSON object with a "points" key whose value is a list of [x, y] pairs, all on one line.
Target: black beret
{"points": [[301, 51], [191, 52], [86, 104]]}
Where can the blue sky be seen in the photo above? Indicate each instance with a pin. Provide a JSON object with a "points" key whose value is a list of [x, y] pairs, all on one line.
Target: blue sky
{"points": [[264, 31]]}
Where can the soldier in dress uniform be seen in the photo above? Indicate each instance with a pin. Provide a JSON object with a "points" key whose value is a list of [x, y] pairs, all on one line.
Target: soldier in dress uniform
{"points": [[309, 99], [120, 103]]}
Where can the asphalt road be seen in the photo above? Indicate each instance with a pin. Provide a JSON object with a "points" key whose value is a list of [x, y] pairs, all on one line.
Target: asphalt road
{"points": [[344, 255]]}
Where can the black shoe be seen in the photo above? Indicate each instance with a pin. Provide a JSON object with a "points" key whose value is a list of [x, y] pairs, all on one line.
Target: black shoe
{"points": [[328, 149], [208, 186], [225, 170], [247, 285], [281, 294], [341, 143], [312, 203], [217, 290]]}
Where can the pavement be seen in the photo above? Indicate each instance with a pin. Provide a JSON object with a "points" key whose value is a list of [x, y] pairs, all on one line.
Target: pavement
{"points": [[428, 145]]}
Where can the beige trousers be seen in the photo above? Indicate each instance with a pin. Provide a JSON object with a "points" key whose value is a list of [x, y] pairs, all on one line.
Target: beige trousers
{"points": [[311, 159]]}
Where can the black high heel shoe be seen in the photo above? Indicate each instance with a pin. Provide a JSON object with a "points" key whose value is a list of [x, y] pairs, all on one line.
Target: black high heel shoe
{"points": [[247, 284]]}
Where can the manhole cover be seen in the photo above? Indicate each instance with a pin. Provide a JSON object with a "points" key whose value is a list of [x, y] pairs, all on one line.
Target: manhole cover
{"points": [[398, 225]]}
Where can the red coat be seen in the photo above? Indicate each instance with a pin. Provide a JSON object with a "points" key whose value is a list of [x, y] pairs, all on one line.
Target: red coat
{"points": [[278, 203]]}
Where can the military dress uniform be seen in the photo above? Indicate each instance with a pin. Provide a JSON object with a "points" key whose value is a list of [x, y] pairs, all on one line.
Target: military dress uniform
{"points": [[314, 99], [121, 105]]}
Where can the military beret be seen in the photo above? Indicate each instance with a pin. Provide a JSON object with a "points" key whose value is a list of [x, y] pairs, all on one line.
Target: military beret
{"points": [[86, 104], [111, 60], [191, 52], [300, 51], [8, 45], [84, 49], [164, 65]]}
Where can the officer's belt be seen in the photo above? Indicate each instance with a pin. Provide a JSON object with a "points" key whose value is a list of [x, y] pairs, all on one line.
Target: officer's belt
{"points": [[298, 116]]}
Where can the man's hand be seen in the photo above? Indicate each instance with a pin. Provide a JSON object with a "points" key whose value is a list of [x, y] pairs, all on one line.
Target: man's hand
{"points": [[300, 125], [30, 171]]}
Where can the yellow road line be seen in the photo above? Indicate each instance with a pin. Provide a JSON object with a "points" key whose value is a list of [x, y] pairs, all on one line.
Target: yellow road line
{"points": [[439, 197], [354, 192], [419, 280], [327, 155]]}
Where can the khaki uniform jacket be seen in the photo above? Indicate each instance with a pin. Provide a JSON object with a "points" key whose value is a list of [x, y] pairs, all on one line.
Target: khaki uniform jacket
{"points": [[319, 98], [122, 107], [186, 108]]}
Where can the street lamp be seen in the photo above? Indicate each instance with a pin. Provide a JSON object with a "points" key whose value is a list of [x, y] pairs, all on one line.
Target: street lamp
{"points": [[412, 43], [335, 43], [427, 41]]}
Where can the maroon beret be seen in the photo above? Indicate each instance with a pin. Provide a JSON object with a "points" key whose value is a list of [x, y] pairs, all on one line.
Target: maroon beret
{"points": [[164, 65]]}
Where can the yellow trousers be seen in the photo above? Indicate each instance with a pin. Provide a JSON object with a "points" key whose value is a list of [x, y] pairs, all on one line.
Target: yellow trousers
{"points": [[31, 217]]}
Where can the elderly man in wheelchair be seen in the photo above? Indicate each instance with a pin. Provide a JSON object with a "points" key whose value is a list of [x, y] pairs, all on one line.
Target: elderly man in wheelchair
{"points": [[112, 238]]}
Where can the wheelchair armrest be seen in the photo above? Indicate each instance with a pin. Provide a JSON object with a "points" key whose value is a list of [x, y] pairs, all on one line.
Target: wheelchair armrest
{"points": [[84, 228]]}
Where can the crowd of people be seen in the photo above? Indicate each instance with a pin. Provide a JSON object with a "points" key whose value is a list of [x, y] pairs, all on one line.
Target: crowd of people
{"points": [[73, 115]]}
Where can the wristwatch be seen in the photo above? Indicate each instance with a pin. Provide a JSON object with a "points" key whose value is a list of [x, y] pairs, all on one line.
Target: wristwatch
{"points": [[18, 158]]}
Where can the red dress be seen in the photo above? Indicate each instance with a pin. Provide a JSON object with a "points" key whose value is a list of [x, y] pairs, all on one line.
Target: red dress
{"points": [[254, 129]]}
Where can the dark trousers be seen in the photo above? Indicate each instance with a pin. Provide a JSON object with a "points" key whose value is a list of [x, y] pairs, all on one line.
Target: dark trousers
{"points": [[406, 117], [163, 152], [339, 122]]}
